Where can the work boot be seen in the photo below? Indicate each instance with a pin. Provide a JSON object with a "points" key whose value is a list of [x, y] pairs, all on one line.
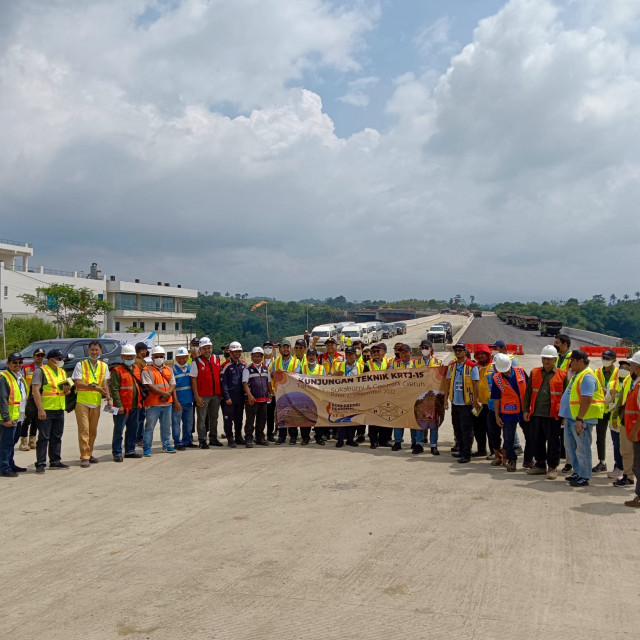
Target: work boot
{"points": [[24, 444], [240, 440], [32, 442], [499, 455], [418, 449], [511, 465]]}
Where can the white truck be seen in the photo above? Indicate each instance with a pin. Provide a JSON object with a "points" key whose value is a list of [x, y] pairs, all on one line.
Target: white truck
{"points": [[322, 332], [353, 331]]}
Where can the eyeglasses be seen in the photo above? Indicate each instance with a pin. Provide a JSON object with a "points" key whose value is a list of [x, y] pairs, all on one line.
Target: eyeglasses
{"points": [[16, 361], [38, 355]]}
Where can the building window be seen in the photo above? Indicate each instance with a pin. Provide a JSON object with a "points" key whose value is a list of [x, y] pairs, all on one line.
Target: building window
{"points": [[164, 326], [117, 326], [177, 326], [135, 325], [142, 325], [149, 303], [101, 296], [157, 325], [126, 301], [169, 355], [6, 292], [168, 304]]}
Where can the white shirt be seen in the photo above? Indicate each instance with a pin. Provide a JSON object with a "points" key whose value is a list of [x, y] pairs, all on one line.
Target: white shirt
{"points": [[77, 375]]}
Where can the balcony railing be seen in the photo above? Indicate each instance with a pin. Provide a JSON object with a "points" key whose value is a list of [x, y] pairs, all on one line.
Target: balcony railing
{"points": [[15, 243], [50, 272]]}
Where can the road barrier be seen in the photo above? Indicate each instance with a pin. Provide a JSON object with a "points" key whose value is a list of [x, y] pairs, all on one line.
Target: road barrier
{"points": [[514, 349], [596, 352]]}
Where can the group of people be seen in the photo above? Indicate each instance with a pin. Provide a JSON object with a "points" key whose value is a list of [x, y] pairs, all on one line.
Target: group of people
{"points": [[558, 405]]}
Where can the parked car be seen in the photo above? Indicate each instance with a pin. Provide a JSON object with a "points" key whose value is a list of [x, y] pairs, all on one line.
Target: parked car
{"points": [[73, 350], [401, 328], [437, 333], [388, 331], [447, 327], [322, 332], [355, 332]]}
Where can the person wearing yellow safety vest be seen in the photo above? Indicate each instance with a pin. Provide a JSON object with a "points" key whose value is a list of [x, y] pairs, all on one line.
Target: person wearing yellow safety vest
{"points": [[622, 473], [91, 377], [311, 367], [194, 350], [378, 436], [631, 425], [13, 402], [405, 361], [28, 428], [286, 362], [358, 346], [428, 359], [608, 378], [49, 388], [350, 367], [562, 343], [267, 347], [299, 351], [581, 406]]}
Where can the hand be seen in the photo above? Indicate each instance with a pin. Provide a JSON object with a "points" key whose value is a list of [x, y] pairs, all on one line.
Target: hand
{"points": [[121, 410], [177, 407], [229, 401], [200, 401], [67, 390], [103, 393], [251, 399], [500, 422], [165, 396], [477, 406], [526, 416], [42, 414], [9, 424], [446, 405]]}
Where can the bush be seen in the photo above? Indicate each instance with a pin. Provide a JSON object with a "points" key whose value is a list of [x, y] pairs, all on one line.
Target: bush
{"points": [[21, 332]]}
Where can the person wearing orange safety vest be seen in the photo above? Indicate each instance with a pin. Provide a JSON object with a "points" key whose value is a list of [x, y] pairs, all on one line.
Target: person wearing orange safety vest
{"points": [[13, 403], [632, 423], [125, 386], [581, 407], [542, 406], [608, 378], [507, 391], [161, 383]]}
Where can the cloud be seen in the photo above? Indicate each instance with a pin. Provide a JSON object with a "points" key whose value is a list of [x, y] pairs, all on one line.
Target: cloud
{"points": [[496, 178]]}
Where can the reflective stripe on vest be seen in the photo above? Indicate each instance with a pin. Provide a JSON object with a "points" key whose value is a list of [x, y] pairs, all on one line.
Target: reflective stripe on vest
{"points": [[127, 385], [183, 385], [53, 399], [596, 408], [613, 380], [161, 380], [258, 382], [398, 364], [318, 369], [15, 395], [208, 379], [484, 387], [90, 376], [511, 400], [563, 364], [291, 365], [378, 366], [556, 389], [631, 411], [359, 367], [467, 383]]}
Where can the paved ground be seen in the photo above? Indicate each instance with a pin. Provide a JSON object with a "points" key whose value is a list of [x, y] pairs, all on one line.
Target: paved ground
{"points": [[291, 542]]}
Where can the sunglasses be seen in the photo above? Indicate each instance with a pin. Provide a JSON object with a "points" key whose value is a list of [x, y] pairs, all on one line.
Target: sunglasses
{"points": [[16, 361]]}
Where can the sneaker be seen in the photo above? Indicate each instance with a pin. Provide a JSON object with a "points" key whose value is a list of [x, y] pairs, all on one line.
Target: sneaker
{"points": [[579, 482], [572, 477], [40, 469], [635, 503], [567, 467], [85, 464], [292, 441], [59, 465], [24, 444], [32, 442], [434, 451], [147, 453], [360, 439], [118, 458], [491, 456], [9, 474], [552, 474], [180, 447], [249, 445], [418, 449], [231, 444], [280, 441], [537, 471], [203, 445], [519, 451], [169, 449], [615, 473], [396, 446], [133, 454], [601, 466], [623, 482], [352, 443], [215, 443]]}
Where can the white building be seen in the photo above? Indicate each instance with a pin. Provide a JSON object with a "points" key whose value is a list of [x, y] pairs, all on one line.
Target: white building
{"points": [[147, 307]]}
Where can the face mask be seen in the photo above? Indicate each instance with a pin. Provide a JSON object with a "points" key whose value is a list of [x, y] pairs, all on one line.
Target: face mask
{"points": [[57, 363], [622, 373], [158, 362], [607, 363], [494, 353], [268, 351], [358, 351], [94, 358], [426, 352], [129, 363]]}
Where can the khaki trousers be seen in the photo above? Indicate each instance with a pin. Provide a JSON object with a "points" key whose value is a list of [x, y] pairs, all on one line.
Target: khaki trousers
{"points": [[87, 419], [626, 451]]}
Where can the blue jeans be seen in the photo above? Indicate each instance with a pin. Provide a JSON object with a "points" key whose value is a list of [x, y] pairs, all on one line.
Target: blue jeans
{"points": [[142, 414], [417, 436], [186, 418], [7, 442], [130, 421], [617, 456], [578, 447], [433, 437], [154, 413]]}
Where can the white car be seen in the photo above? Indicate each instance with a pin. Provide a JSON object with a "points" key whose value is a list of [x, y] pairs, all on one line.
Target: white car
{"points": [[437, 333]]}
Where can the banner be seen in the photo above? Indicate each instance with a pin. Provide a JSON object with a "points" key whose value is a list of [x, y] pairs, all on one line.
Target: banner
{"points": [[149, 338], [397, 398]]}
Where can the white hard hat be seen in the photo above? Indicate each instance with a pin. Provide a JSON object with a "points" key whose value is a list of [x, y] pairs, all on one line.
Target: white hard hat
{"points": [[502, 362], [635, 358], [549, 351], [234, 346], [157, 350], [205, 342], [128, 350], [257, 350], [182, 351]]}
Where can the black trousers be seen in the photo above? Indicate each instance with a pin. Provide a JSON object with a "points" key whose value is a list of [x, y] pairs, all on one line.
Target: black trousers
{"points": [[373, 434], [462, 420], [29, 428], [545, 433], [493, 430], [346, 433], [256, 415], [384, 435], [50, 438], [292, 431], [601, 436], [271, 417], [361, 429], [480, 429], [232, 415]]}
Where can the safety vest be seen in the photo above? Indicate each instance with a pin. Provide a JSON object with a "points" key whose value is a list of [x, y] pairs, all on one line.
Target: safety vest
{"points": [[27, 371], [596, 408], [208, 379], [378, 366], [613, 383], [183, 385], [433, 362], [258, 382], [631, 411], [359, 367], [563, 363], [330, 367], [161, 379], [398, 364], [626, 387], [291, 365], [301, 361], [316, 370], [484, 384], [467, 383], [92, 376], [127, 387], [556, 388], [510, 399], [53, 398], [15, 395]]}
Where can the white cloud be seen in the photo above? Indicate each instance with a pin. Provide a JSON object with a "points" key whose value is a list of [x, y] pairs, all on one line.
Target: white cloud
{"points": [[110, 149]]}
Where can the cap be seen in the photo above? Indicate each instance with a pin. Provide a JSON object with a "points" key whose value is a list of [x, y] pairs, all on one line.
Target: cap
{"points": [[357, 341], [54, 353], [499, 343], [39, 352], [157, 350], [376, 346], [16, 355], [128, 350], [257, 350], [549, 351], [205, 342], [301, 342], [579, 354], [312, 352], [460, 345], [625, 362], [502, 362], [195, 340], [285, 343], [182, 351], [426, 343], [235, 346], [140, 346], [267, 344], [482, 348], [404, 347], [609, 353], [349, 349], [330, 339]]}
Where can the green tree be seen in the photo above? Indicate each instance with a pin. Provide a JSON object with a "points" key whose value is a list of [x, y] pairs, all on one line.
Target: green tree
{"points": [[74, 308], [21, 332]]}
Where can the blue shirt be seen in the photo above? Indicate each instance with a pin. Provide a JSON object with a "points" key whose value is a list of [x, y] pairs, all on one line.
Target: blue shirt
{"points": [[496, 394], [587, 388], [458, 382]]}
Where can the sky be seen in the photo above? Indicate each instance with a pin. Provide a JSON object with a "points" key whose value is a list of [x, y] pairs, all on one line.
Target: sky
{"points": [[383, 149]]}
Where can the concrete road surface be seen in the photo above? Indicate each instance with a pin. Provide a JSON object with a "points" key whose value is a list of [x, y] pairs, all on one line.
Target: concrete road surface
{"points": [[313, 543]]}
